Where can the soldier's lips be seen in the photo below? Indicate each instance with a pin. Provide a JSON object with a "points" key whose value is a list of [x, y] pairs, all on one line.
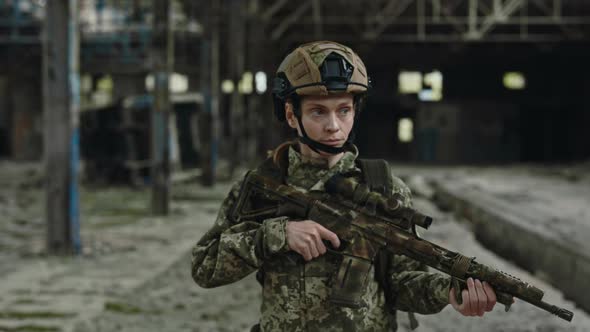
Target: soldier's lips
{"points": [[337, 142]]}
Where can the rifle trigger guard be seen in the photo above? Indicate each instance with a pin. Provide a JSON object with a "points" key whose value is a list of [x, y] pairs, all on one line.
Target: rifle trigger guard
{"points": [[337, 251]]}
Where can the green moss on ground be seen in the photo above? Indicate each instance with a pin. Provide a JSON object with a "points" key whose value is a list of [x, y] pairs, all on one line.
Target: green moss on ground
{"points": [[30, 328], [128, 309], [34, 314], [24, 301], [123, 308]]}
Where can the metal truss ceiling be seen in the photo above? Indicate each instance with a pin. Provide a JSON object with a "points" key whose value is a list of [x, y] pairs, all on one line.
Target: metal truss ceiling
{"points": [[428, 20]]}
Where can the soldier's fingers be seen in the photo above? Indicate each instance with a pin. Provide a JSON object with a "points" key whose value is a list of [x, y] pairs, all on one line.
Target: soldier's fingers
{"points": [[312, 248], [491, 296], [329, 235], [453, 300], [466, 310], [305, 252], [472, 296], [320, 246], [482, 302]]}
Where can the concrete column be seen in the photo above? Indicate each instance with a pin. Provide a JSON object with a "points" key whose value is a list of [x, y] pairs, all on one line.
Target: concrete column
{"points": [[209, 120], [255, 62], [237, 63], [203, 122], [61, 114], [163, 62], [268, 132]]}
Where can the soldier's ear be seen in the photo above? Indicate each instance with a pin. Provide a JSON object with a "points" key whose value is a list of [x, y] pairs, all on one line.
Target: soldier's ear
{"points": [[290, 115]]}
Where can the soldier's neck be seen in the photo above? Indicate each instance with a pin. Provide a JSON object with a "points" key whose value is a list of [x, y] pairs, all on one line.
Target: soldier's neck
{"points": [[329, 159]]}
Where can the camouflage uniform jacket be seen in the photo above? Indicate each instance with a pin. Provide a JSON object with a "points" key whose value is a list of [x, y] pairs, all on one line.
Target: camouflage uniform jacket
{"points": [[295, 293]]}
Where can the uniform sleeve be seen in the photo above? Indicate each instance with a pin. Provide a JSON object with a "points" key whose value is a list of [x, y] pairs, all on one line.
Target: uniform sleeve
{"points": [[414, 289], [229, 251]]}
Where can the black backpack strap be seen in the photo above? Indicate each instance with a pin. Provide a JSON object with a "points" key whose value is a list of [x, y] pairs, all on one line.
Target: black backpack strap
{"points": [[377, 175]]}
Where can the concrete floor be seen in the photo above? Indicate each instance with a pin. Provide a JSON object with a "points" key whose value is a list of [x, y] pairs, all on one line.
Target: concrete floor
{"points": [[538, 217], [134, 274]]}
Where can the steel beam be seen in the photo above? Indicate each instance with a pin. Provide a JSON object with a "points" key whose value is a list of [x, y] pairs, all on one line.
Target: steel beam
{"points": [[557, 9], [393, 10], [272, 10], [555, 14], [435, 10], [505, 11], [473, 19], [460, 21], [446, 38], [459, 27], [483, 7], [523, 20], [289, 20], [420, 19], [497, 8], [472, 31], [317, 18]]}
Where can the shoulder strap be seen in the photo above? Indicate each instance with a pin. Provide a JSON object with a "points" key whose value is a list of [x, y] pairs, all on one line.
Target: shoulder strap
{"points": [[377, 175], [269, 168]]}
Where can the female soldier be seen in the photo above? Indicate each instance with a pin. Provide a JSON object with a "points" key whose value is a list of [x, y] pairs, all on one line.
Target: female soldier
{"points": [[319, 90]]}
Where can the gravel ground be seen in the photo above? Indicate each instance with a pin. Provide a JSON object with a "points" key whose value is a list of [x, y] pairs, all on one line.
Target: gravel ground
{"points": [[103, 291], [174, 303], [522, 316]]}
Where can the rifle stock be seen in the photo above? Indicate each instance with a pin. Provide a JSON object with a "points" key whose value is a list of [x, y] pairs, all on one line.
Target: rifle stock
{"points": [[367, 222]]}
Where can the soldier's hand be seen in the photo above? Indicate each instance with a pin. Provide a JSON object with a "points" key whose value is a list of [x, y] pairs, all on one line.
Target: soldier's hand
{"points": [[305, 238], [477, 298]]}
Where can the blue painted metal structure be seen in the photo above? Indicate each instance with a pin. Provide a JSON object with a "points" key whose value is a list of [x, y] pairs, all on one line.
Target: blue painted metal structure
{"points": [[127, 47], [74, 85], [115, 37], [122, 37], [127, 41], [19, 21]]}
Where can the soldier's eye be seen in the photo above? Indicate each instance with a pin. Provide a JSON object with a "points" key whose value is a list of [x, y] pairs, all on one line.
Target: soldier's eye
{"points": [[344, 111], [317, 112]]}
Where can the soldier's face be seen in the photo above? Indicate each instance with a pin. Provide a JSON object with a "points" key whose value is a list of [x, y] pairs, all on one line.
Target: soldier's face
{"points": [[327, 119]]}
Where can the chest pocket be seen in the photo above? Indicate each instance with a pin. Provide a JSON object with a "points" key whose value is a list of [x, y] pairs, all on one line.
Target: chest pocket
{"points": [[292, 263], [322, 266]]}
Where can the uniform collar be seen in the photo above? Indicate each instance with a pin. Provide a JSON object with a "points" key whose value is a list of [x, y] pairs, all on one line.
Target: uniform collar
{"points": [[311, 173]]}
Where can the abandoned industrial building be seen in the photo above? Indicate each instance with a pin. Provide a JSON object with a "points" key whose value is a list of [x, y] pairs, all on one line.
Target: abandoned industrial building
{"points": [[125, 126]]}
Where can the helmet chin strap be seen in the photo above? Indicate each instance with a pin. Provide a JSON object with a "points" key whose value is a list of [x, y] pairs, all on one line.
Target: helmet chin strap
{"points": [[317, 146]]}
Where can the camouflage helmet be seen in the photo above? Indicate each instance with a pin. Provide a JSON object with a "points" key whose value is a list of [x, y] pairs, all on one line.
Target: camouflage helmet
{"points": [[319, 68]]}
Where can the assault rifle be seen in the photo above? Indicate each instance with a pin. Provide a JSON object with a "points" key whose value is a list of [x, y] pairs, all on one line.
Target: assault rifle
{"points": [[367, 222]]}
